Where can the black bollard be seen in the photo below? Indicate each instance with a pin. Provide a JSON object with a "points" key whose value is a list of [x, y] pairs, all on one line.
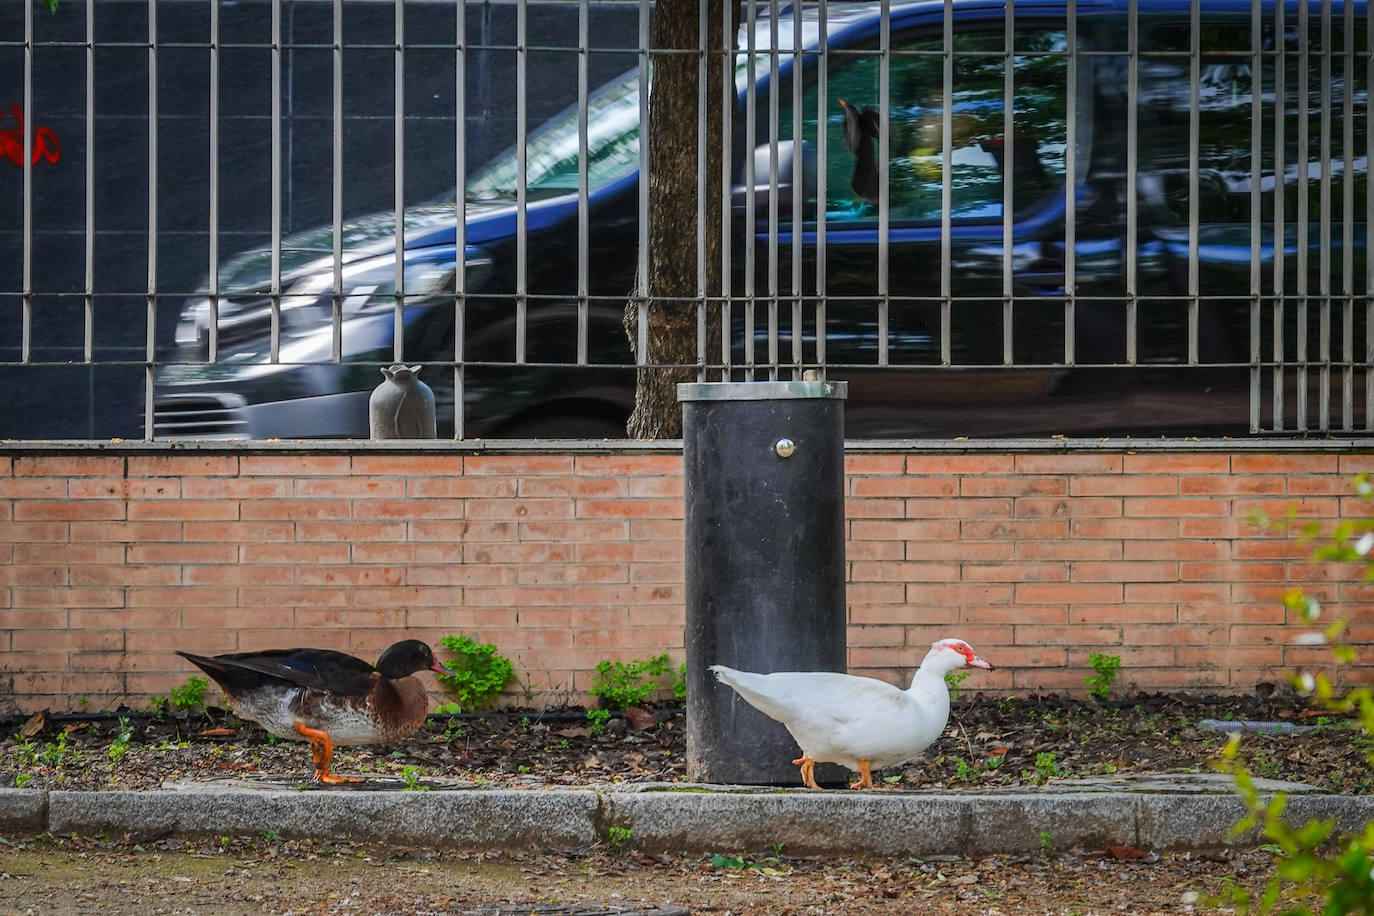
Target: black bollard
{"points": [[763, 472]]}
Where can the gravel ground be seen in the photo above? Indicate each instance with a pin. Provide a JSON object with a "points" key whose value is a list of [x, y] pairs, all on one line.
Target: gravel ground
{"points": [[75, 876]]}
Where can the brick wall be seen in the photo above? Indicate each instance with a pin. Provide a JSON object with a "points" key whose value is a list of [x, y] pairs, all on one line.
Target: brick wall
{"points": [[109, 560]]}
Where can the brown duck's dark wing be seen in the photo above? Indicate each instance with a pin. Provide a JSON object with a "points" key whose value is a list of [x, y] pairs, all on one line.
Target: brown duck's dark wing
{"points": [[323, 670]]}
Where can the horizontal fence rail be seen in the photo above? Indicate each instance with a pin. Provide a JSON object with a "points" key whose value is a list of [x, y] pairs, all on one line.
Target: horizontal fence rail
{"points": [[1053, 217]]}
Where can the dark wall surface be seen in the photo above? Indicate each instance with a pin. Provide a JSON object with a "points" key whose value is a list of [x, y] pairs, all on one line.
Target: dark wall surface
{"points": [[57, 400]]}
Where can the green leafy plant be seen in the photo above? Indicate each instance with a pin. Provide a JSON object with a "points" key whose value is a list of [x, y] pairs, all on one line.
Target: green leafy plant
{"points": [[597, 719], [1105, 668], [190, 696], [1046, 842], [680, 682], [732, 862], [1046, 766], [120, 745], [619, 838], [22, 779], [621, 684], [952, 680], [1316, 871], [411, 775], [479, 673]]}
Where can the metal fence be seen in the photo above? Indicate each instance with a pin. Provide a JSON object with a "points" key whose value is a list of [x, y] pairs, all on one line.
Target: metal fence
{"points": [[1049, 217]]}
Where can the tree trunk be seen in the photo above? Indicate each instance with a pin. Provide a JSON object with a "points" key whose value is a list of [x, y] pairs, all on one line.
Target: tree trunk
{"points": [[671, 287]]}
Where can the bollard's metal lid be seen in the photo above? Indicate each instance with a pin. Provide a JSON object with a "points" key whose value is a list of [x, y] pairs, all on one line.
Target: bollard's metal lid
{"points": [[760, 391]]}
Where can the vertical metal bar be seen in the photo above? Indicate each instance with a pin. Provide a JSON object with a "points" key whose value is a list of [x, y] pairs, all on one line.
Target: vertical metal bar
{"points": [[583, 190], [703, 42], [213, 291], [88, 282], [398, 127], [336, 191], [1348, 223], [728, 105], [822, 188], [884, 156], [1304, 219], [26, 285], [642, 285], [798, 216], [1008, 172], [750, 180], [276, 179], [1324, 228], [1280, 195], [1369, 221], [460, 224], [1256, 200], [1194, 151], [947, 188], [150, 350], [1322, 420], [1071, 184], [772, 269], [521, 174], [1132, 194]]}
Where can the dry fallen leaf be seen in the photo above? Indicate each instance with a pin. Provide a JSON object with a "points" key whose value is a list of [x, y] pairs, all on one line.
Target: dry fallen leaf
{"points": [[639, 718], [35, 725], [1126, 852]]}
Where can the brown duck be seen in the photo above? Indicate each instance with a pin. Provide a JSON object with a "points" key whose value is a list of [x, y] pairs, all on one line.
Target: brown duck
{"points": [[326, 697]]}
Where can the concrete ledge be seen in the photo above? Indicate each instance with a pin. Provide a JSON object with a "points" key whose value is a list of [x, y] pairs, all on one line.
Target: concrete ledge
{"points": [[679, 818]]}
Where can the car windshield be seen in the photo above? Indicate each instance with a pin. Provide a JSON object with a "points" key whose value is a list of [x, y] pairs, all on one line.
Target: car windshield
{"points": [[551, 151]]}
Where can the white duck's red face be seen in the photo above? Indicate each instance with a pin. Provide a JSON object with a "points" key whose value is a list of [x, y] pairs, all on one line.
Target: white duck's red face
{"points": [[971, 659]]}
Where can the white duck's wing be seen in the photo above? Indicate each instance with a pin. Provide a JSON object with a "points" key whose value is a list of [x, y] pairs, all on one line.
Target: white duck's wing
{"points": [[815, 705]]}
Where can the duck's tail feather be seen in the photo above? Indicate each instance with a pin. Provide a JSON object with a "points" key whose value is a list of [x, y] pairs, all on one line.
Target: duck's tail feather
{"points": [[754, 688]]}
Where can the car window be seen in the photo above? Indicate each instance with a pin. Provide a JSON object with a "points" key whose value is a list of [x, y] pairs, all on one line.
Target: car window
{"points": [[916, 141]]}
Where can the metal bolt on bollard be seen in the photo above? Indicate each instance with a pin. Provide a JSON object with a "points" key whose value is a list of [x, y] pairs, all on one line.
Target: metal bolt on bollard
{"points": [[763, 474]]}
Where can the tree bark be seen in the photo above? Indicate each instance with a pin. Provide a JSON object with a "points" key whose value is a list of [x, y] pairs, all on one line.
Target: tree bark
{"points": [[671, 286]]}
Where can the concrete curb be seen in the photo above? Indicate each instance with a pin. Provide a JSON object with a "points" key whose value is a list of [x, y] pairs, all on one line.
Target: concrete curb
{"points": [[677, 818]]}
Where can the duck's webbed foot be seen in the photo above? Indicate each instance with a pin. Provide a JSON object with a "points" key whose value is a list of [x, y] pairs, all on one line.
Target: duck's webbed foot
{"points": [[865, 776], [808, 770], [322, 750]]}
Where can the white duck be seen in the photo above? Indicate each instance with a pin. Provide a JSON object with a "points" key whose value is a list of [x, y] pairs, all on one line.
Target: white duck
{"points": [[858, 722]]}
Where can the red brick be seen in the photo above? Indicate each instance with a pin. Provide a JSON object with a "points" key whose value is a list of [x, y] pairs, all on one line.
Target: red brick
{"points": [[656, 530], [1020, 485], [1157, 592], [350, 488], [39, 618], [294, 465], [291, 509], [33, 575], [235, 574], [349, 530], [188, 510], [25, 640], [520, 508], [968, 551], [1080, 464], [1172, 634], [1074, 507], [658, 573], [300, 554], [37, 510], [289, 596], [183, 466], [1228, 656], [518, 465], [1068, 593], [47, 532], [406, 465], [37, 596], [1284, 463], [585, 486], [857, 464], [540, 553], [1018, 530], [630, 508], [1124, 571], [205, 619], [237, 487], [125, 575], [126, 619], [580, 573], [1069, 549], [455, 487], [1066, 635], [1126, 485], [896, 530], [349, 619], [459, 574], [631, 552], [1176, 550], [957, 508], [105, 488], [957, 594], [1231, 485], [246, 532], [467, 531], [1016, 572], [870, 487], [1008, 615], [514, 596], [882, 571], [68, 466], [1123, 613], [72, 554], [1176, 463], [37, 487], [1152, 507], [1223, 572], [960, 464], [876, 593], [187, 553], [1124, 528], [575, 531], [629, 465]]}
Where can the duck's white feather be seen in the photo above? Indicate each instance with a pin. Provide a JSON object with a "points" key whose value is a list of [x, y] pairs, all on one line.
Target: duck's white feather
{"points": [[842, 718]]}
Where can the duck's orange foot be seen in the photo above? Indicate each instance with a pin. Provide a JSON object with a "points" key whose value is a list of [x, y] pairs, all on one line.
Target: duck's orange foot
{"points": [[330, 778], [808, 771], [865, 776]]}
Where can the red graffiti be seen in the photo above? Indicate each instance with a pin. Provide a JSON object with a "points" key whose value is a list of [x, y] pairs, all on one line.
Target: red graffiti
{"points": [[45, 145]]}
